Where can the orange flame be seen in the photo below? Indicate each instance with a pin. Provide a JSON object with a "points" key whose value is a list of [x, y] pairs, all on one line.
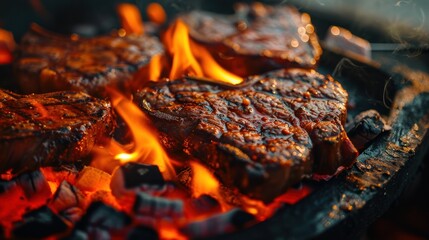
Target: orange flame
{"points": [[155, 67], [203, 182], [155, 12], [7, 44], [189, 58], [146, 147], [131, 19], [263, 211]]}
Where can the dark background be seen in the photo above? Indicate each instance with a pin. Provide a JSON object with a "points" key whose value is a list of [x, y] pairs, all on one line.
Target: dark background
{"points": [[399, 19]]}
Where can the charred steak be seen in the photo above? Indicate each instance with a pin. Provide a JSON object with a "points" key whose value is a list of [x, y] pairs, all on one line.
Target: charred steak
{"points": [[48, 62], [48, 129], [262, 138], [258, 38]]}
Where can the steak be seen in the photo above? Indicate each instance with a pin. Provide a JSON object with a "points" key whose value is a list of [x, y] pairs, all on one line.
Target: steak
{"points": [[49, 62], [262, 138], [257, 39], [49, 129]]}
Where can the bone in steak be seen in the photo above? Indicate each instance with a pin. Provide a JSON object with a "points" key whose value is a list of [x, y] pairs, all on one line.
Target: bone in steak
{"points": [[48, 62], [258, 38], [48, 129], [262, 138]]}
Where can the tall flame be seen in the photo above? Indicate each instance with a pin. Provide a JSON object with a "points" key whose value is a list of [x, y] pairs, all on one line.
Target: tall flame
{"points": [[146, 148], [189, 58], [131, 19]]}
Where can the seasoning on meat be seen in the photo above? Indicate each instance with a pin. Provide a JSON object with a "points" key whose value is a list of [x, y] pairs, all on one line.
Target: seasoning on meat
{"points": [[262, 138], [49, 129], [257, 39], [48, 62]]}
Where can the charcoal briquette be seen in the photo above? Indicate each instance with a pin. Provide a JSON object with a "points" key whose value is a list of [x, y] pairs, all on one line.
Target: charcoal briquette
{"points": [[136, 174], [142, 232], [39, 223]]}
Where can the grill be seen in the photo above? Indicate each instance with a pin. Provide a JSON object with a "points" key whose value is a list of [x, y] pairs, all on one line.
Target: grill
{"points": [[344, 206]]}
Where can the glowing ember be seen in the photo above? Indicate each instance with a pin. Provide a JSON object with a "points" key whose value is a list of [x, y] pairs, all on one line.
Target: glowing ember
{"points": [[131, 19], [191, 59]]}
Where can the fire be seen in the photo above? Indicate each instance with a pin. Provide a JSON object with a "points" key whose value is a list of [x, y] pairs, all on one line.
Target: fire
{"points": [[155, 67], [189, 58], [131, 19], [203, 182], [146, 147], [156, 13], [184, 57], [7, 44]]}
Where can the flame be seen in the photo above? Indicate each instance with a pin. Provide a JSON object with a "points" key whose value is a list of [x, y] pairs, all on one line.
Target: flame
{"points": [[170, 232], [203, 182], [155, 67], [263, 211], [155, 12], [5, 56], [146, 147], [7, 44], [131, 20], [189, 58]]}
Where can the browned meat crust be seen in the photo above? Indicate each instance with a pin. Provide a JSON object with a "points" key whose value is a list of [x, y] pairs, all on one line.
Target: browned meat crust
{"points": [[258, 38], [48, 129], [262, 138], [49, 63]]}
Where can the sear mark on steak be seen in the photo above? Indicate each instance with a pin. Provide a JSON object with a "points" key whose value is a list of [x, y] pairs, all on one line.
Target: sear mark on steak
{"points": [[257, 39], [262, 138], [49, 63], [49, 129]]}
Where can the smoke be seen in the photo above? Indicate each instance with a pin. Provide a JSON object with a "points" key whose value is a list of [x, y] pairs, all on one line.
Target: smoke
{"points": [[344, 65], [400, 3]]}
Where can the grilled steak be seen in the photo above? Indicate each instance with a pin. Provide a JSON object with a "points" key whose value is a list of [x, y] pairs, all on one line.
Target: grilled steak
{"points": [[257, 39], [262, 138], [48, 129], [49, 63]]}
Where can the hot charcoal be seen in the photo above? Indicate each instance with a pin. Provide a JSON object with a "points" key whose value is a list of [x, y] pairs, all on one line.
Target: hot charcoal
{"points": [[39, 223], [101, 219], [141, 232], [136, 174], [34, 185], [219, 223], [204, 205], [148, 207], [137, 177], [67, 196]]}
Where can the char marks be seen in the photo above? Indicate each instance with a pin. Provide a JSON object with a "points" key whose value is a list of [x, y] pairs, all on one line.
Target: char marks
{"points": [[48, 129], [261, 138]]}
